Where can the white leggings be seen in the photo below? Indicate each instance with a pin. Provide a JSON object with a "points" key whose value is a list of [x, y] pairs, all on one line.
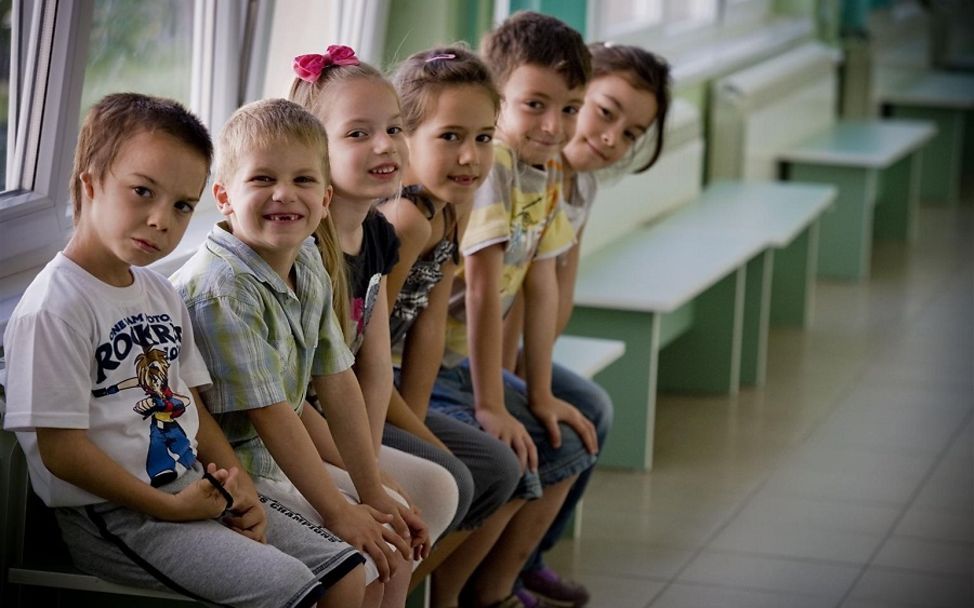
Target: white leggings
{"points": [[431, 487]]}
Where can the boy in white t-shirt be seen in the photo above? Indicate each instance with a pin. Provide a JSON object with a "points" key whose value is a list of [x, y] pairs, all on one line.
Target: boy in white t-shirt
{"points": [[103, 378]]}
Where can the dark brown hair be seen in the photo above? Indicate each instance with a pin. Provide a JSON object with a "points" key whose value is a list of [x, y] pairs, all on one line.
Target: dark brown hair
{"points": [[529, 38], [425, 75], [645, 71], [121, 116]]}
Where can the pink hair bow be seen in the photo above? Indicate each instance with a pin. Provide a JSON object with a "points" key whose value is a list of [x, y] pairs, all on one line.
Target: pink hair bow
{"points": [[309, 67]]}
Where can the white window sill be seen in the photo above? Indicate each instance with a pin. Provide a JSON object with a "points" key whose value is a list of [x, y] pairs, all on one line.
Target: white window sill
{"points": [[194, 237]]}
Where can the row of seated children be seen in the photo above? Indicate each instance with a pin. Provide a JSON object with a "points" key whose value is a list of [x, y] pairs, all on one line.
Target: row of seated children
{"points": [[264, 312]]}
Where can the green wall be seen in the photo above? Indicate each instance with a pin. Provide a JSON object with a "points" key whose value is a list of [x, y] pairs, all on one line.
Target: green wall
{"points": [[415, 25]]}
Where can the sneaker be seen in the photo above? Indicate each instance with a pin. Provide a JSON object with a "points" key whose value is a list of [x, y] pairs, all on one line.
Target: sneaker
{"points": [[554, 590], [527, 598]]}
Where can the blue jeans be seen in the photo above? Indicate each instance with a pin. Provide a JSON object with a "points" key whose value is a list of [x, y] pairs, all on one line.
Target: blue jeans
{"points": [[453, 395], [594, 403]]}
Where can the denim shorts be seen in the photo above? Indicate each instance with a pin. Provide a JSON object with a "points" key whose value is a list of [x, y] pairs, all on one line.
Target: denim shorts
{"points": [[453, 395]]}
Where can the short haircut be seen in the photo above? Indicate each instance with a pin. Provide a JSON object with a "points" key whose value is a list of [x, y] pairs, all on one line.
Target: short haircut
{"points": [[529, 38], [121, 116], [264, 123], [425, 75], [645, 71]]}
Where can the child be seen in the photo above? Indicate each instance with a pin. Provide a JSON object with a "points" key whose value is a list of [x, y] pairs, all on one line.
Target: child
{"points": [[260, 304], [449, 106], [516, 229], [628, 93], [124, 468], [367, 153]]}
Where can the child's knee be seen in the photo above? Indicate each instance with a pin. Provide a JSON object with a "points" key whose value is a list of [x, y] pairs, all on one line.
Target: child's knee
{"points": [[347, 591]]}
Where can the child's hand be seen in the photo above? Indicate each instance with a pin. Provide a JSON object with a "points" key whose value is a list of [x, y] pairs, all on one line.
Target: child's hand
{"points": [[413, 529], [201, 500], [551, 410], [505, 427], [247, 516], [363, 527]]}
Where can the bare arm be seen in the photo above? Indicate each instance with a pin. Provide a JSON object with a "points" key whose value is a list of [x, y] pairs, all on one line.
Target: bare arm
{"points": [[414, 232], [248, 515], [513, 329], [567, 271], [72, 456], [343, 405], [288, 441], [540, 310], [485, 337], [423, 350], [373, 367]]}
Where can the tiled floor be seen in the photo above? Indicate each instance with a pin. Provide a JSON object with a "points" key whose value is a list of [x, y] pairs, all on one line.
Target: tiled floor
{"points": [[847, 481]]}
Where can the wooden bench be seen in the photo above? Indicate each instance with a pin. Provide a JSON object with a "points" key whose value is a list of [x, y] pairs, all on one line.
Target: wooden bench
{"points": [[690, 295], [876, 167], [946, 100], [777, 119]]}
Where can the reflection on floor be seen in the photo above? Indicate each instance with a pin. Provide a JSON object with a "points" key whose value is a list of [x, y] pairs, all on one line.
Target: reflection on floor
{"points": [[848, 481]]}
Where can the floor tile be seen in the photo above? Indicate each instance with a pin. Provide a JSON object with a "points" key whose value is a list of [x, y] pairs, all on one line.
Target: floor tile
{"points": [[797, 541], [806, 577], [937, 524], [619, 591], [681, 595], [619, 558], [896, 587], [934, 557]]}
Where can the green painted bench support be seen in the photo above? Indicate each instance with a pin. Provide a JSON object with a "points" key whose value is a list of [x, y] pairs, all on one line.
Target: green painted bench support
{"points": [[898, 200], [707, 357], [846, 236], [630, 381], [793, 283]]}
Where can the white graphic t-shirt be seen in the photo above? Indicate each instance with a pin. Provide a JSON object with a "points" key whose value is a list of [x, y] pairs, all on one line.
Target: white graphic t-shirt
{"points": [[117, 361]]}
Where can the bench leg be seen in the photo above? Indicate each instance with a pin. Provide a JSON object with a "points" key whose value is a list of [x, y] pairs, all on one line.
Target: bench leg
{"points": [[757, 308], [793, 284], [943, 155], [846, 236], [899, 200], [707, 358], [630, 381]]}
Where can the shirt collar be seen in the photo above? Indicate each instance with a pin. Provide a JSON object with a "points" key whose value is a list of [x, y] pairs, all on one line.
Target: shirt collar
{"points": [[246, 260]]}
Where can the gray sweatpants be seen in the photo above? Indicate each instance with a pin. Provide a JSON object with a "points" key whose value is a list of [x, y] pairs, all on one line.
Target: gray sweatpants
{"points": [[206, 560]]}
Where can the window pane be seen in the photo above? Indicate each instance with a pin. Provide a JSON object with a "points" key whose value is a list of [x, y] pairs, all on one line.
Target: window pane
{"points": [[145, 47], [6, 17], [625, 14], [691, 11]]}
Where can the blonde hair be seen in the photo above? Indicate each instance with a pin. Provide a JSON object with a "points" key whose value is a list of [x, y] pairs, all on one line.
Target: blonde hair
{"points": [[262, 124], [269, 121], [314, 97]]}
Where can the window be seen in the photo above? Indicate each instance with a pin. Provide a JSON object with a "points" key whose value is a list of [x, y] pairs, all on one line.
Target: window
{"points": [[143, 47], [624, 15], [6, 19], [691, 13]]}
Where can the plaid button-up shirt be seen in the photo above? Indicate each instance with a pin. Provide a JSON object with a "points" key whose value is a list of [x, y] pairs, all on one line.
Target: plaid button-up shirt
{"points": [[261, 341]]}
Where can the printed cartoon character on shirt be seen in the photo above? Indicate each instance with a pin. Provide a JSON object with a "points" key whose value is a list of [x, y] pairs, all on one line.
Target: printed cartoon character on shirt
{"points": [[168, 443]]}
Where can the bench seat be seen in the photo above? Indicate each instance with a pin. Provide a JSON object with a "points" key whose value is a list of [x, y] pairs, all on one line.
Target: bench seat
{"points": [[690, 295], [876, 167], [947, 100]]}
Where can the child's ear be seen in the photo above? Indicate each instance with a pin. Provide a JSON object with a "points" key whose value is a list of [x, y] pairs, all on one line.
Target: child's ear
{"points": [[87, 184], [222, 198], [329, 192]]}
